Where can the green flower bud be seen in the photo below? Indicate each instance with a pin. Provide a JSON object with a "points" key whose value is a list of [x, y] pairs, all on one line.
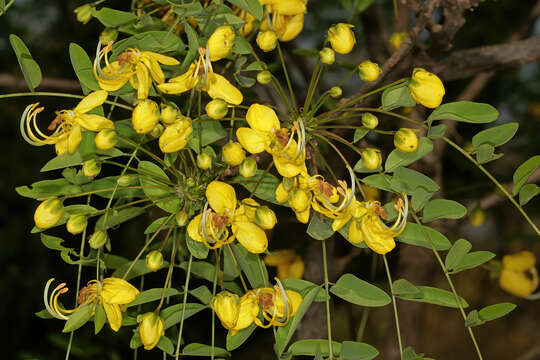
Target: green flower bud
{"points": [[335, 92], [145, 116], [169, 113], [91, 168], [83, 13], [288, 183], [157, 131], [265, 217], [327, 55], [124, 180], [264, 77], [108, 35], [369, 121], [182, 218], [267, 40], [371, 158], [248, 168], [48, 213], [204, 161], [76, 224], [98, 239], [217, 109], [405, 140], [154, 260], [105, 139], [233, 154]]}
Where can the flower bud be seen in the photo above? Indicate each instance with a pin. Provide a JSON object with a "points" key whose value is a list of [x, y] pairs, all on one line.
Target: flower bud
{"points": [[327, 55], [248, 168], [124, 180], [335, 92], [369, 71], [182, 218], [48, 213], [145, 116], [105, 139], [169, 113], [98, 239], [265, 217], [221, 42], [227, 307], [157, 131], [267, 40], [369, 121], [477, 217], [341, 38], [299, 200], [288, 183], [154, 260], [151, 329], [76, 224], [405, 140], [176, 136], [396, 39], [108, 35], [91, 168], [83, 13], [371, 158], [264, 77], [233, 154], [426, 88], [217, 109], [204, 161]]}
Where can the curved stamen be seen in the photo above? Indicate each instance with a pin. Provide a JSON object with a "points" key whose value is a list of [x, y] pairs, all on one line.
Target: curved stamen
{"points": [[30, 137], [206, 238], [46, 302], [285, 299]]}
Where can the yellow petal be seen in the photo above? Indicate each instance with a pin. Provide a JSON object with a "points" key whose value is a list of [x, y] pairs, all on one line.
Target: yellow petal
{"points": [[518, 283], [176, 136], [221, 197], [162, 59], [283, 256], [143, 81], [114, 315], [295, 299], [377, 240], [118, 291], [250, 236], [90, 101], [247, 314], [288, 27], [251, 140], [521, 261], [181, 83], [355, 233], [94, 122], [289, 168], [262, 118], [218, 87], [303, 216], [155, 70], [115, 76], [281, 194], [194, 228]]}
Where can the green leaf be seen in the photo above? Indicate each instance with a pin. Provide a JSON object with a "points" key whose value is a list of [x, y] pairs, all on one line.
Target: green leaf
{"points": [[397, 96], [137, 270], [437, 131], [249, 263], [201, 269], [251, 6], [414, 235], [310, 347], [155, 41], [156, 189], [359, 133], [410, 180], [443, 209], [314, 53], [196, 349], [398, 158], [486, 153], [473, 319], [113, 18], [172, 315], [241, 46], [117, 217], [300, 286], [436, 296], [83, 68], [160, 223], [212, 131], [319, 229], [405, 287], [196, 248], [202, 293], [472, 260], [353, 350], [527, 192], [100, 318], [29, 67], [233, 342], [48, 188], [255, 66], [266, 190], [193, 43], [496, 311], [523, 172], [44, 314], [457, 252], [464, 111], [495, 136], [165, 344], [152, 295], [359, 292], [419, 198], [379, 181], [285, 333], [78, 318]]}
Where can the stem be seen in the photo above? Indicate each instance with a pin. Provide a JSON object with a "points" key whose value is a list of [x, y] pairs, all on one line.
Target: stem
{"points": [[396, 317], [450, 282], [291, 93], [328, 320], [365, 312], [46, 93], [138, 147], [238, 268], [168, 278], [261, 268], [186, 287], [213, 312]]}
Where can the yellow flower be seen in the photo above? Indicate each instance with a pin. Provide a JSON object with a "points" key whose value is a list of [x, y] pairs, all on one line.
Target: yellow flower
{"points": [[277, 304], [396, 39], [405, 140], [154, 260], [145, 116], [176, 136], [265, 217], [248, 168], [48, 213], [151, 329], [297, 192], [233, 154], [202, 75], [139, 67], [105, 139], [265, 134], [112, 294], [341, 38], [267, 40], [211, 228], [371, 158], [327, 55], [67, 125], [249, 19], [369, 71], [216, 109], [204, 161], [368, 226], [426, 88], [289, 265], [235, 313], [76, 224], [221, 42], [169, 113], [518, 275], [288, 27]]}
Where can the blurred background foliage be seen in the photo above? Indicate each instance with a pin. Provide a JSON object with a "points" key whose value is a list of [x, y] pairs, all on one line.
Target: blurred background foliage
{"points": [[47, 27]]}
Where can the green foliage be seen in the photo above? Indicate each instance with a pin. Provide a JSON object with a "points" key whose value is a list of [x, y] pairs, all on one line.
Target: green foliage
{"points": [[29, 67], [359, 292]]}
